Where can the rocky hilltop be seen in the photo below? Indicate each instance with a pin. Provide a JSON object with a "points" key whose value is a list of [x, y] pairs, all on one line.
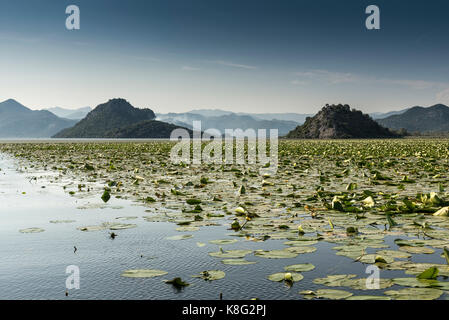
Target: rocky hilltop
{"points": [[340, 122]]}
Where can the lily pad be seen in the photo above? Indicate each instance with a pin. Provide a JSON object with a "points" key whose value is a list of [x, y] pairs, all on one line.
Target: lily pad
{"points": [[275, 254], [143, 273], [180, 237], [211, 275], [327, 294], [31, 230], [223, 241], [303, 267], [237, 262], [415, 294], [281, 276]]}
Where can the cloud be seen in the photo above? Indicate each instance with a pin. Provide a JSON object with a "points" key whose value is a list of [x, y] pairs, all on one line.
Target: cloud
{"points": [[345, 77], [189, 68], [443, 96], [234, 65], [329, 76]]}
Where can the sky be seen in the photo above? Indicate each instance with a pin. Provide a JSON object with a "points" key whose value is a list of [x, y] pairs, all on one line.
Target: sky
{"points": [[238, 55]]}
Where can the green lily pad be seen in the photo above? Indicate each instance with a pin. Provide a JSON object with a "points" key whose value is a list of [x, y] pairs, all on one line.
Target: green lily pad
{"points": [[223, 241], [211, 275], [231, 254], [302, 267], [275, 254], [327, 294], [237, 262], [281, 276], [180, 237], [31, 230], [143, 273], [411, 249], [368, 298], [415, 294]]}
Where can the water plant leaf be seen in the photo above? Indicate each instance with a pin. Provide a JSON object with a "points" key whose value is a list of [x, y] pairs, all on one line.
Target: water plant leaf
{"points": [[143, 273], [302, 267], [430, 273], [281, 276], [31, 230], [210, 275]]}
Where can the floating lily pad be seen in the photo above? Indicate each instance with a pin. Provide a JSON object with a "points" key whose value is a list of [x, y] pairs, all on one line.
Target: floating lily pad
{"points": [[303, 267], [237, 262], [231, 254], [281, 276], [411, 249], [368, 298], [31, 230], [275, 254], [180, 237], [211, 275], [327, 294], [415, 294], [223, 241], [143, 273]]}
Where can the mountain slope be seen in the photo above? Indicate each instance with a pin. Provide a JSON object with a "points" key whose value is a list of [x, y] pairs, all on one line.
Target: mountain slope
{"points": [[431, 119], [145, 129], [340, 122], [114, 114], [17, 121]]}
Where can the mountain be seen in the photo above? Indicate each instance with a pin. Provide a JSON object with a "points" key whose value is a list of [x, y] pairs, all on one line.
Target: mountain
{"points": [[381, 115], [431, 119], [296, 117], [340, 122], [117, 118], [75, 114], [18, 121], [227, 121]]}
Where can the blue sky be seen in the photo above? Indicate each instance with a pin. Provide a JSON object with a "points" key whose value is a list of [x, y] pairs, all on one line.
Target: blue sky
{"points": [[245, 55]]}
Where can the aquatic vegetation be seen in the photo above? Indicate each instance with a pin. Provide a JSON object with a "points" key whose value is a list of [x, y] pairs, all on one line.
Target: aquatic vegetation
{"points": [[355, 196], [143, 273]]}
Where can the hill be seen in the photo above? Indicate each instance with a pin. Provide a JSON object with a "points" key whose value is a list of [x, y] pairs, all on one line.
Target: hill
{"points": [[146, 129], [431, 119], [340, 122], [18, 121], [105, 118]]}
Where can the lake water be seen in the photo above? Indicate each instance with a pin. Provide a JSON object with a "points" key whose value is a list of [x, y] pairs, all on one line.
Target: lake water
{"points": [[33, 265]]}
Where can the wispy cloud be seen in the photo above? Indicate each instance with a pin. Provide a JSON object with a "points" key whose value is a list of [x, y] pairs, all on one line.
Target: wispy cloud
{"points": [[328, 76], [345, 77], [443, 96], [234, 65], [189, 68]]}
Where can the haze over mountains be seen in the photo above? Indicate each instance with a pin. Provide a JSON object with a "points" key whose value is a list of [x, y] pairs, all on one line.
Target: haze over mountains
{"points": [[119, 119], [419, 119], [18, 121], [74, 114], [228, 120]]}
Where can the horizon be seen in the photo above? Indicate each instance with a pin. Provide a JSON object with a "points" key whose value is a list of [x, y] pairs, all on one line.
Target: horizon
{"points": [[251, 56], [216, 109]]}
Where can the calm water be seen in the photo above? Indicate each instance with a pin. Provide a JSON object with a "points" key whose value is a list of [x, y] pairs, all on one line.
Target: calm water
{"points": [[33, 265]]}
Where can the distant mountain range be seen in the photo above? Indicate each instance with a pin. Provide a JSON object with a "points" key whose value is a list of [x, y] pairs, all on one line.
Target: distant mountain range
{"points": [[296, 117], [74, 114], [18, 121], [226, 120], [117, 118], [424, 120], [340, 122]]}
